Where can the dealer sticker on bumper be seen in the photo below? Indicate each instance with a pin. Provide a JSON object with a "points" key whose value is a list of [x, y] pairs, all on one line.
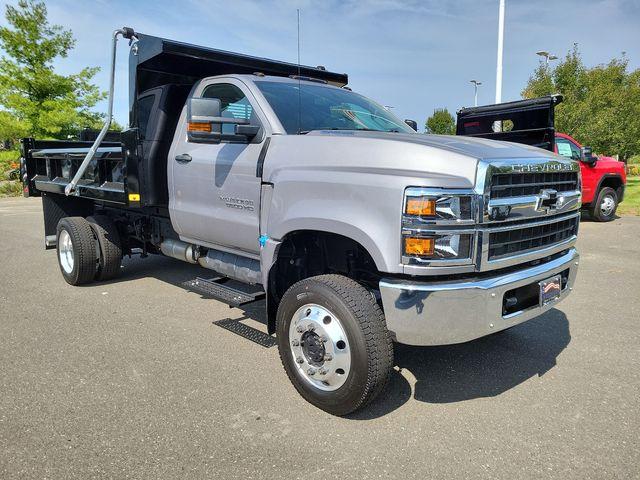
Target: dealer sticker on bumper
{"points": [[550, 290]]}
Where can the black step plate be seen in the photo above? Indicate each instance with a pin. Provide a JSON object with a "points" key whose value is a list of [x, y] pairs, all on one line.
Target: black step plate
{"points": [[224, 293]]}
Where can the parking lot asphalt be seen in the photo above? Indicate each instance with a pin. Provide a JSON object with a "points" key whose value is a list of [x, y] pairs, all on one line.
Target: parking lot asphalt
{"points": [[135, 379]]}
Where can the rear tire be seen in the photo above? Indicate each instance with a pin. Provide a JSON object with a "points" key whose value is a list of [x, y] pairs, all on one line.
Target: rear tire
{"points": [[334, 343], [605, 205], [76, 248], [109, 245]]}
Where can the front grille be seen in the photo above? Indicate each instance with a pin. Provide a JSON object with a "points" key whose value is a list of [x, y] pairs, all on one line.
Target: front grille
{"points": [[520, 240], [504, 185]]}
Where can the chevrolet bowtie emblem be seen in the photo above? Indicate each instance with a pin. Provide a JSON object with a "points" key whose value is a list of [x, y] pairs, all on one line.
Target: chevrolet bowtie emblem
{"points": [[548, 199]]}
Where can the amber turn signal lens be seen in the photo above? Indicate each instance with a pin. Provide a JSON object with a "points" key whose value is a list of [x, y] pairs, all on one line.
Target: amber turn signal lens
{"points": [[425, 207], [419, 246], [199, 127]]}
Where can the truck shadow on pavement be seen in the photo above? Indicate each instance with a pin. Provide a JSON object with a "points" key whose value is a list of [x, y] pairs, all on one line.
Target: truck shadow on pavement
{"points": [[485, 367]]}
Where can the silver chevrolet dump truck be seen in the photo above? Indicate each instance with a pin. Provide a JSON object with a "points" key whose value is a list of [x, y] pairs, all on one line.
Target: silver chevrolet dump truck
{"points": [[356, 230]]}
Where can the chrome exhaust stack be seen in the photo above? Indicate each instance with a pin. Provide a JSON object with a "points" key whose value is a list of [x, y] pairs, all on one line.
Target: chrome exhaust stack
{"points": [[128, 33]]}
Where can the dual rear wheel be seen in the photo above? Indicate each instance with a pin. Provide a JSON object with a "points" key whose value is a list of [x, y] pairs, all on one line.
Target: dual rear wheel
{"points": [[88, 249]]}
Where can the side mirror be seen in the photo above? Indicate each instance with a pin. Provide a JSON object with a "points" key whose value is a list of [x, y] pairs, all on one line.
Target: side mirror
{"points": [[587, 156], [412, 123], [204, 123]]}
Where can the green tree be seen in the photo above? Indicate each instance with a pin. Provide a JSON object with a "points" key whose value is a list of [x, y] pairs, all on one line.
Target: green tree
{"points": [[35, 100], [601, 106], [441, 122]]}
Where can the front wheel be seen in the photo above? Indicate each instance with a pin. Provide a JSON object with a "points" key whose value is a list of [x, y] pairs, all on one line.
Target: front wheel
{"points": [[605, 205], [334, 343]]}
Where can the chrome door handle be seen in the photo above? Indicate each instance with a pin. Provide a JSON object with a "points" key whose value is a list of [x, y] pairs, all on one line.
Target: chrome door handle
{"points": [[183, 158]]}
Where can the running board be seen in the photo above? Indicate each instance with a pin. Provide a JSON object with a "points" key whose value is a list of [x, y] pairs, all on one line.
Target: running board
{"points": [[214, 287]]}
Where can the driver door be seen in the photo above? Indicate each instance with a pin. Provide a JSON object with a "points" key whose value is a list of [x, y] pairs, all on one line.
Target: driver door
{"points": [[215, 193]]}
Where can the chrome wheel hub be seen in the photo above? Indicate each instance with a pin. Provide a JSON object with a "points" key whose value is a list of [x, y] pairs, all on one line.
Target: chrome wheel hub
{"points": [[607, 205], [65, 251], [320, 347]]}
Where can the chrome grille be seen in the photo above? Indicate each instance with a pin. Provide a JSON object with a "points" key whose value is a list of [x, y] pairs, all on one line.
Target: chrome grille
{"points": [[527, 238], [506, 185]]}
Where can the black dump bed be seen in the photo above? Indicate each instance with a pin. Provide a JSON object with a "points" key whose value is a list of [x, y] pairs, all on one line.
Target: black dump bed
{"points": [[133, 171], [525, 121]]}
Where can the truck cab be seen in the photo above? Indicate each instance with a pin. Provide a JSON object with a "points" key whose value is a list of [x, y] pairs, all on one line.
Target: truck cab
{"points": [[603, 178]]}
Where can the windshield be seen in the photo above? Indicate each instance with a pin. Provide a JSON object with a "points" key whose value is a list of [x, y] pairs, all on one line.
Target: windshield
{"points": [[303, 107]]}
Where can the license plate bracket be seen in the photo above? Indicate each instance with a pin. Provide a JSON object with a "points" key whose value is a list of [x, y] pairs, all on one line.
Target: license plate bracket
{"points": [[550, 289]]}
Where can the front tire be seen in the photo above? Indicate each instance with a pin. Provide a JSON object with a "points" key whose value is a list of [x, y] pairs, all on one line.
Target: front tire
{"points": [[334, 343], [605, 205], [76, 248]]}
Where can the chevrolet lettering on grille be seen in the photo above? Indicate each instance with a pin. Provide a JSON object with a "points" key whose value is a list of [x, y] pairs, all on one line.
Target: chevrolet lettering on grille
{"points": [[543, 167]]}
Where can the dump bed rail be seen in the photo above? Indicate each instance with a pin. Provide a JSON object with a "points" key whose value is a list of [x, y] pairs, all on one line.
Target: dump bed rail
{"points": [[49, 166]]}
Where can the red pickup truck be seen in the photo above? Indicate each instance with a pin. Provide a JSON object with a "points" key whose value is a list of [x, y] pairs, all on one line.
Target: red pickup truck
{"points": [[532, 122], [603, 178]]}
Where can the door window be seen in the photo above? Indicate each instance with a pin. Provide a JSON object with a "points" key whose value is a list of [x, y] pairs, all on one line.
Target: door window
{"points": [[567, 148], [233, 104]]}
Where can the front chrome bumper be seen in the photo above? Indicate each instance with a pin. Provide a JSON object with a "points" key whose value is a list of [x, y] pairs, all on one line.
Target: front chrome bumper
{"points": [[442, 313]]}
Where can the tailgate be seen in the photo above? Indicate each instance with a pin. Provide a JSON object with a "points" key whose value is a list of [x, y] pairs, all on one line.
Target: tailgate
{"points": [[525, 121]]}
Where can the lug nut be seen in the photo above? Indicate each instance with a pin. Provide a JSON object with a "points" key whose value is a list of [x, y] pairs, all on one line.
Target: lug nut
{"points": [[295, 343], [323, 371], [299, 329], [311, 371], [324, 339], [311, 327], [328, 357], [299, 360]]}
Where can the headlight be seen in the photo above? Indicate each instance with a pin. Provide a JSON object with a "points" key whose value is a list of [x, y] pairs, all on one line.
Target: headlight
{"points": [[438, 227], [446, 207]]}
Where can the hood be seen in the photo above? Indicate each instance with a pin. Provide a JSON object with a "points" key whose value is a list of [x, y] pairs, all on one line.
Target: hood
{"points": [[422, 160], [478, 148]]}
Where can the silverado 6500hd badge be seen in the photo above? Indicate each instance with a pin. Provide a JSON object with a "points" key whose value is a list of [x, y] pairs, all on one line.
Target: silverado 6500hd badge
{"points": [[238, 203]]}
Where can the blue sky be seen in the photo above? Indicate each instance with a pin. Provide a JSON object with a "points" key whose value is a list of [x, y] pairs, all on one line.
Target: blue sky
{"points": [[412, 55]]}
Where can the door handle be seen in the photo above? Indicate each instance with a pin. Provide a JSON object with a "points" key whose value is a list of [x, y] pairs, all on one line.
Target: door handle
{"points": [[183, 158]]}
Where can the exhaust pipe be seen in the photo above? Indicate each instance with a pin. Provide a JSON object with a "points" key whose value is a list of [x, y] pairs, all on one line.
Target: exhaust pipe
{"points": [[230, 265], [180, 251]]}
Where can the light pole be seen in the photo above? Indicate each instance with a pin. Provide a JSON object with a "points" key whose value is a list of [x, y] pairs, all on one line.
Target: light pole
{"points": [[547, 56], [476, 84], [497, 125], [500, 48]]}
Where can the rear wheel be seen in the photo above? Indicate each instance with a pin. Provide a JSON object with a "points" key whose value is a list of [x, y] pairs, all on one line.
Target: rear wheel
{"points": [[76, 247], [334, 343], [109, 247], [605, 205]]}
